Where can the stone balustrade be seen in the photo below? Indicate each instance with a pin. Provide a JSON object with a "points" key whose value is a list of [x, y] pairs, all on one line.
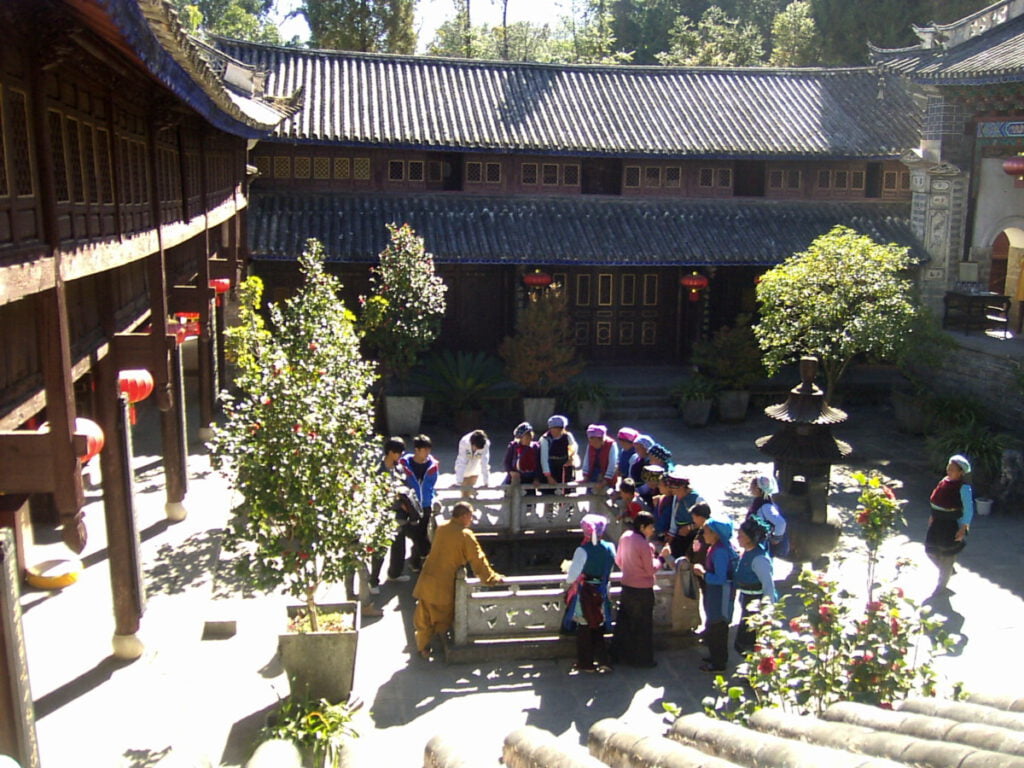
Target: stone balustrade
{"points": [[530, 747], [613, 743]]}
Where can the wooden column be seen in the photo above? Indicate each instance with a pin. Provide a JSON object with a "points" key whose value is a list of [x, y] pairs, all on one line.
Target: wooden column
{"points": [[166, 377], [17, 712]]}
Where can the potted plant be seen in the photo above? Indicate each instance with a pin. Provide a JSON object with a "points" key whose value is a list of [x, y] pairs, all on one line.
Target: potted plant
{"points": [[541, 357], [694, 397], [461, 382], [731, 358], [975, 440], [400, 319], [586, 398], [318, 728], [298, 445]]}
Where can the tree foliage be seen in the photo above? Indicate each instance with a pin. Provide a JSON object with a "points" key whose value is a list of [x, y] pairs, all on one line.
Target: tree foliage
{"points": [[238, 19], [714, 41], [794, 37], [402, 316], [844, 296], [370, 26], [541, 356], [298, 443]]}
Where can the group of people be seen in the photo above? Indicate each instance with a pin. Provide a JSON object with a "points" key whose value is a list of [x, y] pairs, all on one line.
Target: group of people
{"points": [[667, 522]]}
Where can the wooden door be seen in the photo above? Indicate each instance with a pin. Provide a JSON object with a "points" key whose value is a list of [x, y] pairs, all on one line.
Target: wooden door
{"points": [[624, 315]]}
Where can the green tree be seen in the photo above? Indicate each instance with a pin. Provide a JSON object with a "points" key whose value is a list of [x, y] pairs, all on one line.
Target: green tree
{"points": [[586, 36], [298, 443], [794, 37], [844, 296], [238, 19], [541, 356], [715, 41], [520, 41], [371, 26], [642, 26], [402, 316]]}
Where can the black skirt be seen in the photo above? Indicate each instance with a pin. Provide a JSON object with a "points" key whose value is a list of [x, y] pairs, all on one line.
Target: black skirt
{"points": [[941, 536]]}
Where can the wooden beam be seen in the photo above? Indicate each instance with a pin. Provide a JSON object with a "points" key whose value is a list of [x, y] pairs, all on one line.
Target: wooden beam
{"points": [[27, 460]]}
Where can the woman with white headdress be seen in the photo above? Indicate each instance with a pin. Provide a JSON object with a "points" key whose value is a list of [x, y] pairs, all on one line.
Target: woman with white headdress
{"points": [[588, 609], [952, 504], [764, 508]]}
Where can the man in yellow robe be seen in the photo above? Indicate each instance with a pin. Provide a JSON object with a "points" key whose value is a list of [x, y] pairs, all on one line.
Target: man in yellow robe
{"points": [[454, 546]]}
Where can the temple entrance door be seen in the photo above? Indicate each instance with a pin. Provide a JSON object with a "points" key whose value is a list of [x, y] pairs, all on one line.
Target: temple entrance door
{"points": [[624, 315]]}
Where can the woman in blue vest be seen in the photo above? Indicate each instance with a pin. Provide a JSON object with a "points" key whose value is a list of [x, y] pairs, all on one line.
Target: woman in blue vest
{"points": [[754, 579], [763, 488], [558, 450], [952, 504], [718, 571], [587, 603]]}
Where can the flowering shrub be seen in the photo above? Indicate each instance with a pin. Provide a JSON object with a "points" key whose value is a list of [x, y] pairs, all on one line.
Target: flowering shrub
{"points": [[403, 315], [298, 442], [879, 515], [831, 653]]}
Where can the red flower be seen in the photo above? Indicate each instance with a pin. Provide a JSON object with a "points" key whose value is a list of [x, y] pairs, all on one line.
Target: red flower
{"points": [[267, 401], [889, 493], [826, 612], [312, 346], [869, 656], [767, 665], [303, 556], [899, 591], [794, 625], [296, 428], [885, 705], [863, 517], [874, 606], [894, 624]]}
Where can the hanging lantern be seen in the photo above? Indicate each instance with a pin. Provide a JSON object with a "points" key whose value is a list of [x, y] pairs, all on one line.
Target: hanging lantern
{"points": [[137, 384], [1014, 166], [694, 283], [537, 279], [220, 285], [188, 325], [93, 437]]}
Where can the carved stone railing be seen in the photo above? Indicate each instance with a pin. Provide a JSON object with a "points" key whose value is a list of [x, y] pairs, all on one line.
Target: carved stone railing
{"points": [[521, 617]]}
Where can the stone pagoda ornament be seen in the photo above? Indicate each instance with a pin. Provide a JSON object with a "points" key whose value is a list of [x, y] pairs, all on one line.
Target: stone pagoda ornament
{"points": [[804, 451]]}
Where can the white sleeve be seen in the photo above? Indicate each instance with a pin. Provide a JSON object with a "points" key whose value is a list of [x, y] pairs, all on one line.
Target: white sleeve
{"points": [[460, 459], [579, 559], [771, 513], [762, 568], [485, 464]]}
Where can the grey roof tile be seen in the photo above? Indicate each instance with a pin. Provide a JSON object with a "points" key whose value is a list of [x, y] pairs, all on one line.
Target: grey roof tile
{"points": [[357, 98], [588, 230]]}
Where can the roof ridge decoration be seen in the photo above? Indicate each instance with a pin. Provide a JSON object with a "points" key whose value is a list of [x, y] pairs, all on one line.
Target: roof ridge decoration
{"points": [[156, 35], [943, 37]]}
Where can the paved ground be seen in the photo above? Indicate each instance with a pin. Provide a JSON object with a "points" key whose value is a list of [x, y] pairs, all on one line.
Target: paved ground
{"points": [[195, 701]]}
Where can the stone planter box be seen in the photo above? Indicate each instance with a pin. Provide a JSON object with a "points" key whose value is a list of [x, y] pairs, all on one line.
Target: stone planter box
{"points": [[732, 405], [696, 413], [321, 665]]}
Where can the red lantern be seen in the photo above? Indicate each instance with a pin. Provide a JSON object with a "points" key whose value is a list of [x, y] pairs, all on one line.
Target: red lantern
{"points": [[93, 437], [1014, 166], [188, 325], [694, 283], [138, 385], [537, 279], [220, 285]]}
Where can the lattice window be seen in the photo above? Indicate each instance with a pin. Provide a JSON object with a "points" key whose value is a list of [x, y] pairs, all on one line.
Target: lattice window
{"points": [[673, 176], [582, 290], [627, 290], [415, 168], [794, 179], [648, 333], [89, 163], [361, 169], [74, 160], [775, 180], [104, 172], [842, 180], [650, 290], [824, 179], [282, 167], [549, 174], [474, 173], [905, 180], [493, 171], [4, 191], [857, 180], [321, 168], [723, 178], [303, 167], [529, 173], [626, 334], [652, 176], [889, 181], [706, 178], [604, 333], [60, 167], [21, 154], [581, 333], [396, 170], [571, 175], [342, 168], [434, 171], [632, 176]]}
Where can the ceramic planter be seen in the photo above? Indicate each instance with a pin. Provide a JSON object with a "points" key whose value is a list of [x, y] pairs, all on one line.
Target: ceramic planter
{"points": [[697, 413], [732, 405], [536, 410], [321, 664], [404, 414]]}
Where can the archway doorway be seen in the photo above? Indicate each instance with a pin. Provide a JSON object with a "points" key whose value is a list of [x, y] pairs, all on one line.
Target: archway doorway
{"points": [[1006, 275]]}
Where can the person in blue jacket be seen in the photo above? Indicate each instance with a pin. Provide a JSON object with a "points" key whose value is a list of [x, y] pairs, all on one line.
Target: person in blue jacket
{"points": [[718, 572], [588, 606], [754, 579], [420, 471]]}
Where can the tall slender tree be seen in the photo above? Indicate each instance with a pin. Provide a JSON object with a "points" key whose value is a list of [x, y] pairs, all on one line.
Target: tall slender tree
{"points": [[371, 26]]}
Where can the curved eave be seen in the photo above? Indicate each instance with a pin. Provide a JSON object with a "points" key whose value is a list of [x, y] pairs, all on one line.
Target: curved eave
{"points": [[163, 55]]}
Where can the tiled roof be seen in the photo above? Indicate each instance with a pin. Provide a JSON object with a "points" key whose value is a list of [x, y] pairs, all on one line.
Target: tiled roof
{"points": [[992, 57], [434, 103], [581, 230], [153, 33]]}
